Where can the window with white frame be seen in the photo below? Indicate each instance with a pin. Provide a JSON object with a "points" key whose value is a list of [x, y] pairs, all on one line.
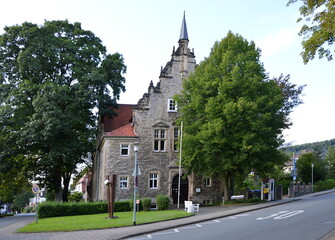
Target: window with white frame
{"points": [[123, 182], [124, 149], [172, 105], [207, 182], [159, 140], [175, 139], [153, 180]]}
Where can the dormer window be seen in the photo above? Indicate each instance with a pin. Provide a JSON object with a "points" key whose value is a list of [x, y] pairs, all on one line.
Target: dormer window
{"points": [[172, 105]]}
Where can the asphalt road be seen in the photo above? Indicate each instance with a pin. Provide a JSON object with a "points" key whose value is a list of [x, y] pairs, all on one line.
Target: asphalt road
{"points": [[17, 218], [308, 219]]}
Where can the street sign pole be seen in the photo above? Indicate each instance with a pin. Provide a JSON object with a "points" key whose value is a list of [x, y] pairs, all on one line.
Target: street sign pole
{"points": [[36, 209], [36, 190]]}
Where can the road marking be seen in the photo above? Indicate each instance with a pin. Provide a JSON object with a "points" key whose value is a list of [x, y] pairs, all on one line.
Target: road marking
{"points": [[290, 214], [189, 227], [163, 233], [282, 215], [211, 222], [272, 215], [243, 215], [239, 215]]}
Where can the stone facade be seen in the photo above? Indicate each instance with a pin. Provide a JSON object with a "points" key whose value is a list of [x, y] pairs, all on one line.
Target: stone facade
{"points": [[151, 123]]}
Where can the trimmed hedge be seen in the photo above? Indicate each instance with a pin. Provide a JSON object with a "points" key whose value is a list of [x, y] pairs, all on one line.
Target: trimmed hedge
{"points": [[163, 202], [6, 215], [146, 203], [57, 209]]}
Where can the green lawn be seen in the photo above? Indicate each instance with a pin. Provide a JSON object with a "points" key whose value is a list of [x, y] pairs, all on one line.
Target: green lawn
{"points": [[99, 221]]}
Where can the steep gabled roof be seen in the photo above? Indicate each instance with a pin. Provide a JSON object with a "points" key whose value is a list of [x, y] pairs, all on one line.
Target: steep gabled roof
{"points": [[124, 116], [125, 131]]}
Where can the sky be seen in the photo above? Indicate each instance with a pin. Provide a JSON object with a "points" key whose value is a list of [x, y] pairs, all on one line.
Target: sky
{"points": [[145, 31]]}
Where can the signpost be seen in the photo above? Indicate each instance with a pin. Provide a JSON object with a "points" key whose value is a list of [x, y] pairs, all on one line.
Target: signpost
{"points": [[36, 190]]}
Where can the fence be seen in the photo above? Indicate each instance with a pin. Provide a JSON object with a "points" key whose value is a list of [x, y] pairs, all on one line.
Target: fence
{"points": [[299, 189]]}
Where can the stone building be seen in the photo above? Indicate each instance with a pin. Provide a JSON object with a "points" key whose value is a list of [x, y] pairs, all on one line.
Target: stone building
{"points": [[151, 123]]}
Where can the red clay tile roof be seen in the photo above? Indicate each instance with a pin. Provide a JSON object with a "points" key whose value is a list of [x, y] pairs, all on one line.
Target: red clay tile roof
{"points": [[123, 117], [125, 131]]}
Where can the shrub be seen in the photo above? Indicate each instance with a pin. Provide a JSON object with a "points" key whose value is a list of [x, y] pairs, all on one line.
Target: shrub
{"points": [[57, 209], [122, 206], [324, 185], [6, 215], [76, 197], [163, 202], [146, 203], [28, 209]]}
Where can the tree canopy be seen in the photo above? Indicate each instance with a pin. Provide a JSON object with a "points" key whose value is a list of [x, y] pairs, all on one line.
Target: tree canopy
{"points": [[54, 81], [304, 167], [330, 158], [318, 29], [233, 113]]}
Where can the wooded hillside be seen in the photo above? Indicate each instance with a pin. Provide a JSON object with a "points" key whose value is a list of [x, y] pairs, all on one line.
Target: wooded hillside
{"points": [[321, 147]]}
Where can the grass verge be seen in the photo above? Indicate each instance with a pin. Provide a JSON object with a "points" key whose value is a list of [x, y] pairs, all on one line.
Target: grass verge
{"points": [[99, 221]]}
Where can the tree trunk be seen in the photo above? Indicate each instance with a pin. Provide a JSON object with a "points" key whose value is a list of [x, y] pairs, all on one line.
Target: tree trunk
{"points": [[58, 182], [66, 182], [58, 192], [232, 183], [225, 181]]}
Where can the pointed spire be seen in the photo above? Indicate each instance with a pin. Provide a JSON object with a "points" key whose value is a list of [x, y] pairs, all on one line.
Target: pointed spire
{"points": [[183, 31]]}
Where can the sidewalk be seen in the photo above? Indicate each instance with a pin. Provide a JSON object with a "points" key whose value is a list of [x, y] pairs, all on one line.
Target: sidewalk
{"points": [[206, 213]]}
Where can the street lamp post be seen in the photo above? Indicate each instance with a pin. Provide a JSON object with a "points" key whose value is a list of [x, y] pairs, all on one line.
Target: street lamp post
{"points": [[312, 176], [294, 175], [135, 173]]}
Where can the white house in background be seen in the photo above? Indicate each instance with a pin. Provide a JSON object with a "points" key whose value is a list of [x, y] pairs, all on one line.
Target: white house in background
{"points": [[32, 201], [83, 185]]}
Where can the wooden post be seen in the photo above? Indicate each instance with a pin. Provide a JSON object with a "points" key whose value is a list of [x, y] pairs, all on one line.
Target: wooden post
{"points": [[109, 197], [112, 194]]}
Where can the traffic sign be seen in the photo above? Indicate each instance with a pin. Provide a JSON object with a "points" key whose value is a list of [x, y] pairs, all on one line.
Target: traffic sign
{"points": [[35, 189]]}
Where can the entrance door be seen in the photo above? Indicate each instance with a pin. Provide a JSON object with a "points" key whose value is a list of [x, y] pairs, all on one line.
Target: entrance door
{"points": [[183, 189]]}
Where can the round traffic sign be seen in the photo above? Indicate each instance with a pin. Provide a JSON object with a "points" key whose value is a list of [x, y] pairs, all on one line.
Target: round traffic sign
{"points": [[35, 189]]}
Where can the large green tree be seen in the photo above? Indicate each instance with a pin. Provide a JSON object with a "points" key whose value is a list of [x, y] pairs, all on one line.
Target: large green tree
{"points": [[318, 28], [21, 200], [54, 80], [304, 167], [233, 113]]}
